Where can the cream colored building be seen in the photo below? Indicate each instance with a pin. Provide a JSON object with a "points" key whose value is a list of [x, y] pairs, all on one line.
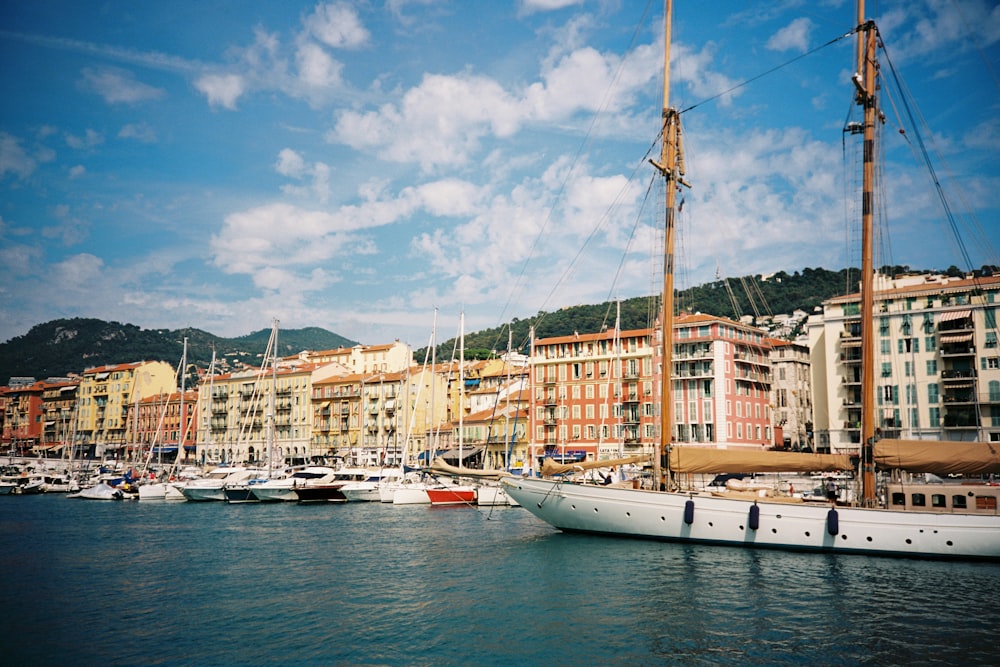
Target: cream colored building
{"points": [[937, 370]]}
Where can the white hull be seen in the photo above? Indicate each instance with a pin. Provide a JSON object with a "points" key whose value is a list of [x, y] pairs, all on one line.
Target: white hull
{"points": [[204, 493], [362, 492], [275, 494], [793, 526], [410, 495], [493, 495], [160, 491]]}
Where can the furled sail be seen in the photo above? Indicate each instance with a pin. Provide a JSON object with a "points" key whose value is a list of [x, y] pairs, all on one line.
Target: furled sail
{"points": [[550, 467], [714, 461], [942, 457], [439, 466]]}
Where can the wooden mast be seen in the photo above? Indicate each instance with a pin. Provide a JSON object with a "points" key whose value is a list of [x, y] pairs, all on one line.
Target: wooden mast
{"points": [[668, 168], [865, 81]]}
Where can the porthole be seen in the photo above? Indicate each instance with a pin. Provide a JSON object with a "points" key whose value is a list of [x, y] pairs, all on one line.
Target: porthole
{"points": [[777, 516], [843, 537], [807, 533], [949, 543], [663, 518], [595, 510], [741, 528], [869, 538], [774, 530], [909, 541], [710, 524], [540, 506], [628, 514]]}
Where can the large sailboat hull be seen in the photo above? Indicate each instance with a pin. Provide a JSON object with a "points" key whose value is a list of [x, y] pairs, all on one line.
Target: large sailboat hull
{"points": [[710, 519]]}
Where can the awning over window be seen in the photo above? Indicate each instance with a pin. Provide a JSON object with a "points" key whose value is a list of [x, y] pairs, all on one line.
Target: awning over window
{"points": [[955, 315], [958, 338]]}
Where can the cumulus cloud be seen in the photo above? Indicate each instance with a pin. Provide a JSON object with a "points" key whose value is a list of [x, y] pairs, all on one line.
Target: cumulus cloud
{"points": [[139, 131], [77, 171], [532, 6], [439, 122], [793, 37], [222, 90], [13, 158], [316, 68], [118, 86], [89, 139], [337, 25]]}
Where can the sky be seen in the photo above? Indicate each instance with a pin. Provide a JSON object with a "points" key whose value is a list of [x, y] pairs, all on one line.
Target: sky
{"points": [[357, 165]]}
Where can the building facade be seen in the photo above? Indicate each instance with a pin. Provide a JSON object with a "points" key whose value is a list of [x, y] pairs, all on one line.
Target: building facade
{"points": [[937, 368]]}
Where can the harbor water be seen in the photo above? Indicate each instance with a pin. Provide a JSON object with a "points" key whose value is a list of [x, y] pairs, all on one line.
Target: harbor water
{"points": [[155, 583]]}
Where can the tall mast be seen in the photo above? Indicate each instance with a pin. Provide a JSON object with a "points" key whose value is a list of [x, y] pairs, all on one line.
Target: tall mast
{"points": [[668, 166], [865, 81]]}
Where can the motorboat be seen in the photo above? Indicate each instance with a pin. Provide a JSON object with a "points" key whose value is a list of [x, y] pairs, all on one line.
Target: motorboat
{"points": [[211, 487]]}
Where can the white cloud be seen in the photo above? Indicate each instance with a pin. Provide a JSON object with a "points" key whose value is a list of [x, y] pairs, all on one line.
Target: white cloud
{"points": [[316, 68], [290, 163], [439, 122], [221, 89], [793, 37], [118, 86], [337, 25], [89, 139], [532, 6], [139, 131], [13, 158], [77, 171]]}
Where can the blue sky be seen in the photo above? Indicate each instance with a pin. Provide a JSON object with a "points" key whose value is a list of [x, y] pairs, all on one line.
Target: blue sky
{"points": [[353, 165]]}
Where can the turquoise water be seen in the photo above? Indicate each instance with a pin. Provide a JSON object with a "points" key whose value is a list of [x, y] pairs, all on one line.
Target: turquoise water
{"points": [[153, 583]]}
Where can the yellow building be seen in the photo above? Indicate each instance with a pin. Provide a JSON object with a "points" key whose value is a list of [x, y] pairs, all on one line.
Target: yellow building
{"points": [[103, 400]]}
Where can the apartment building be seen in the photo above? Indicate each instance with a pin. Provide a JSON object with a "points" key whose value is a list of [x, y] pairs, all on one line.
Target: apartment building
{"points": [[937, 370], [238, 413], [721, 383], [104, 396], [162, 423], [593, 395], [791, 394]]}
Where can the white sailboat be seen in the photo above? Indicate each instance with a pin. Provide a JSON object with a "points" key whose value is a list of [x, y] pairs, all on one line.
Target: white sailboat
{"points": [[166, 490], [701, 517]]}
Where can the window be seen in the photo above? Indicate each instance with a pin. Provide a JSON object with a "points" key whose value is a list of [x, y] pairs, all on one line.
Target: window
{"points": [[886, 347], [886, 369], [930, 343], [932, 393], [991, 339], [958, 502], [986, 503], [932, 366], [918, 500], [899, 499], [938, 500]]}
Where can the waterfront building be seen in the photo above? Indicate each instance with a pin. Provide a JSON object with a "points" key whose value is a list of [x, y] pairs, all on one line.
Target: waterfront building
{"points": [[494, 437], [791, 394], [159, 425], [938, 372], [58, 413], [361, 417], [722, 383], [596, 395], [103, 399], [22, 418], [592, 396], [236, 410]]}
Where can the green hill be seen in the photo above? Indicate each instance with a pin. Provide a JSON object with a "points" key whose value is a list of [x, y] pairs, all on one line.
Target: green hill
{"points": [[59, 347]]}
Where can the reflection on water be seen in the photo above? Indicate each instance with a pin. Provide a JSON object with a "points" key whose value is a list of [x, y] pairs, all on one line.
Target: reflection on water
{"points": [[369, 584]]}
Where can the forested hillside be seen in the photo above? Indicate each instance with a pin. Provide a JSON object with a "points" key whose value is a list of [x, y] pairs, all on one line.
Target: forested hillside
{"points": [[781, 292], [59, 347]]}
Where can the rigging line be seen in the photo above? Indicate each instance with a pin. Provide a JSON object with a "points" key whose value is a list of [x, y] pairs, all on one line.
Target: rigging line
{"points": [[747, 82], [927, 162], [593, 232], [605, 102], [980, 238]]}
